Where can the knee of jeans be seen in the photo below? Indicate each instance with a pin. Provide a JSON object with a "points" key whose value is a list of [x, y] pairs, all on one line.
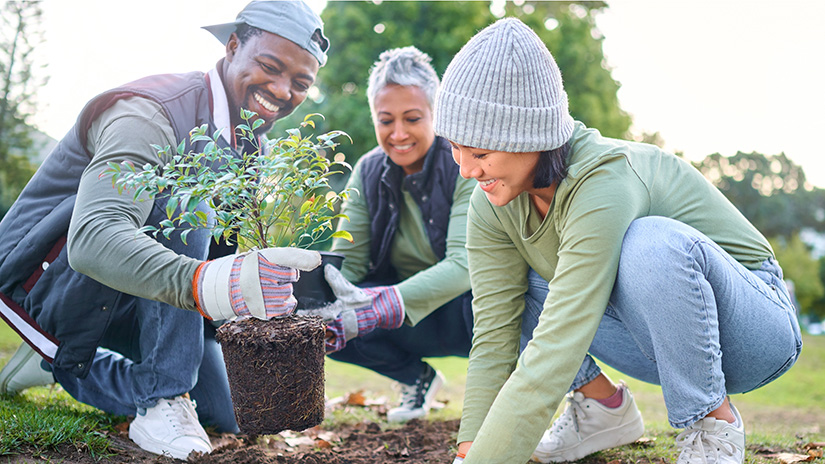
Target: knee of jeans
{"points": [[652, 236]]}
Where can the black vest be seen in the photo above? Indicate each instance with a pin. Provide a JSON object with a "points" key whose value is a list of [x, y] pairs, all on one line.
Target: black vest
{"points": [[432, 188], [48, 298]]}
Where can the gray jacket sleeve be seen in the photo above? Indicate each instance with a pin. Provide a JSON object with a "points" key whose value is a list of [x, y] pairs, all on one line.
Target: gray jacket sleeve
{"points": [[102, 239]]}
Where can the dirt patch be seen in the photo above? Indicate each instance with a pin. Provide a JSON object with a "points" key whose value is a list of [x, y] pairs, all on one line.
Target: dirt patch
{"points": [[417, 442]]}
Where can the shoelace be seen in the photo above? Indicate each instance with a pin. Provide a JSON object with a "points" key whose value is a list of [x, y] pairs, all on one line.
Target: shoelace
{"points": [[410, 395], [570, 416], [693, 443], [181, 416]]}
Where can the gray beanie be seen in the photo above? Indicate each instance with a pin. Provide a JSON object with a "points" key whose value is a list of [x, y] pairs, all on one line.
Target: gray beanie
{"points": [[503, 91]]}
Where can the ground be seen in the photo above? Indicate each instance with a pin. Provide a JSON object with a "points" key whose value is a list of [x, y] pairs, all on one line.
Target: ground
{"points": [[417, 442]]}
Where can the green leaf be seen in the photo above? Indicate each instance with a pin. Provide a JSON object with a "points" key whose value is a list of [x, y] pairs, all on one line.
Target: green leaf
{"points": [[189, 218], [183, 235], [306, 205], [171, 206]]}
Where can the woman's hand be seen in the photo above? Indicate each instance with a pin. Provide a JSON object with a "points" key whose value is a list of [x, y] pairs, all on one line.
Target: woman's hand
{"points": [[463, 448]]}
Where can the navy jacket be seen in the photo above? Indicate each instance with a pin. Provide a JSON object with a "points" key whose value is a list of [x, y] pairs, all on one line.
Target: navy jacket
{"points": [[432, 188]]}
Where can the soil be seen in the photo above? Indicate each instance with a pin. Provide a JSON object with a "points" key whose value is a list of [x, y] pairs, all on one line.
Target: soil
{"points": [[283, 358], [417, 442]]}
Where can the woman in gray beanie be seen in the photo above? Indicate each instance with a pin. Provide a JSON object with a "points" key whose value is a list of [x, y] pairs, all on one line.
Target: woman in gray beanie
{"points": [[639, 260]]}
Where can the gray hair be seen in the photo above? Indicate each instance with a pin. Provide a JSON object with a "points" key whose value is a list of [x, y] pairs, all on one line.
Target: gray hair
{"points": [[403, 66]]}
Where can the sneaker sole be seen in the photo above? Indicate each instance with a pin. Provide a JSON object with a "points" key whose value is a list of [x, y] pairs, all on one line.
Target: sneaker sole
{"points": [[146, 442], [629, 434]]}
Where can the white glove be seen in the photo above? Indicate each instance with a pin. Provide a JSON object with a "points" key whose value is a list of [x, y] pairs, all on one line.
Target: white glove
{"points": [[357, 311], [257, 283]]}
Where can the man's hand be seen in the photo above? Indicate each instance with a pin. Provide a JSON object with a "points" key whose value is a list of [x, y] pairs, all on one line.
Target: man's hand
{"points": [[257, 283], [357, 311]]}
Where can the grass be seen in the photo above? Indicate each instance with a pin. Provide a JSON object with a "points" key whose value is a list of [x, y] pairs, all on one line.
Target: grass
{"points": [[781, 416], [40, 421]]}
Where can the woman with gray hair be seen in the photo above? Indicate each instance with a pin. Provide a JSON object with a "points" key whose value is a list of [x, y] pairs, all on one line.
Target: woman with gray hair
{"points": [[409, 229]]}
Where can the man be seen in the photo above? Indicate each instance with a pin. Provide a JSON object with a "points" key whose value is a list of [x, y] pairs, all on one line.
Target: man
{"points": [[99, 301]]}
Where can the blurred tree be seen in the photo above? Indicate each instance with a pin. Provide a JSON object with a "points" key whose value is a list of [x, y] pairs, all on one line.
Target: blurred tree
{"points": [[771, 191], [360, 31], [800, 268], [818, 307], [20, 32]]}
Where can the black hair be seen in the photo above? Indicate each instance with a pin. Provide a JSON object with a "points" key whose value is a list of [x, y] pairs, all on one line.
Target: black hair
{"points": [[552, 166], [319, 38], [245, 32]]}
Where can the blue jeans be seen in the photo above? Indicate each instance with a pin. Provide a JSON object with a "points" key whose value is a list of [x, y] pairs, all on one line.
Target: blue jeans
{"points": [[152, 351], [397, 353], [685, 315]]}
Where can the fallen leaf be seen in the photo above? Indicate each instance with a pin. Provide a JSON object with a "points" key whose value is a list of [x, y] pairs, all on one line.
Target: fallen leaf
{"points": [[356, 398], [313, 431], [760, 449], [644, 442], [323, 444], [813, 445], [817, 452], [790, 458], [439, 404], [122, 428], [226, 441], [615, 461], [299, 441], [328, 436]]}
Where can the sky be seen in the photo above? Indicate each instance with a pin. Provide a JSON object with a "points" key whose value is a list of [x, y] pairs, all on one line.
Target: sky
{"points": [[709, 75]]}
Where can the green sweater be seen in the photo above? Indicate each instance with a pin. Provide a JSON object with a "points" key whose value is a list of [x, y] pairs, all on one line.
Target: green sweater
{"points": [[510, 399], [426, 283]]}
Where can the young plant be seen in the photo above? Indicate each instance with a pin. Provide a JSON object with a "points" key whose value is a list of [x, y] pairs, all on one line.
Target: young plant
{"points": [[276, 195]]}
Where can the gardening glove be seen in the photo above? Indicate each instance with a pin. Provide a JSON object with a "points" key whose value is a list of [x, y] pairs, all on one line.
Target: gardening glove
{"points": [[257, 283], [458, 459], [357, 311]]}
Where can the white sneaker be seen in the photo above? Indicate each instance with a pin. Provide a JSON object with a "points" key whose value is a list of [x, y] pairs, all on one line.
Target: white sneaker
{"points": [[23, 371], [713, 441], [587, 426], [170, 428], [417, 399]]}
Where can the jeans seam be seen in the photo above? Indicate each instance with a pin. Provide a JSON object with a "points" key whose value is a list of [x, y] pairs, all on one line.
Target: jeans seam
{"points": [[698, 245]]}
